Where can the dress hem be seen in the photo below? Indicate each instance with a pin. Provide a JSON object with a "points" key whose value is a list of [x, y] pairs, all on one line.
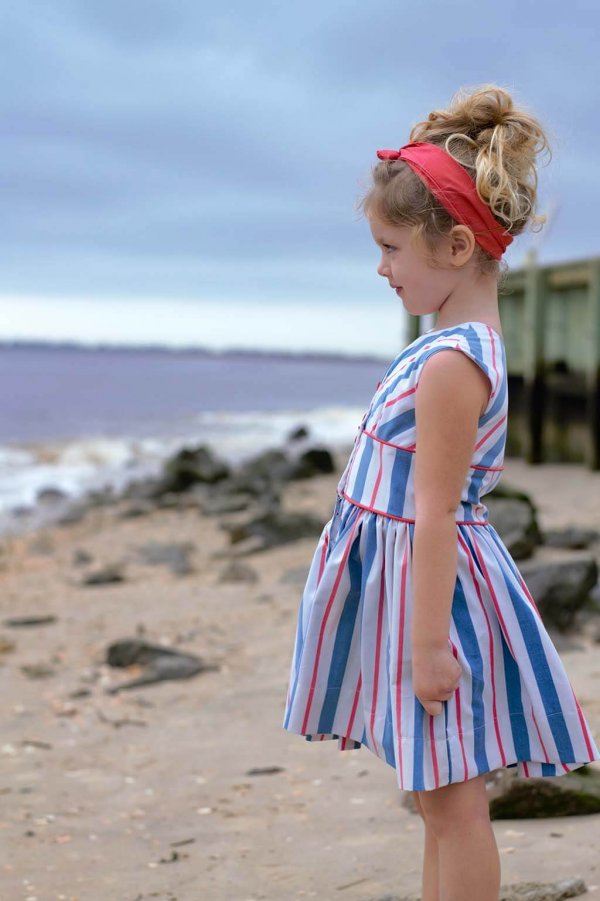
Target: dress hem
{"points": [[526, 768]]}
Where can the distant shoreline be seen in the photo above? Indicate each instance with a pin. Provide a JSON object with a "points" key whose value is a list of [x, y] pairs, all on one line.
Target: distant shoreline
{"points": [[195, 351]]}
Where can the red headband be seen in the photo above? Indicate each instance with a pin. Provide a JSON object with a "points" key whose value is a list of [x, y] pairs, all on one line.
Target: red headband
{"points": [[456, 191]]}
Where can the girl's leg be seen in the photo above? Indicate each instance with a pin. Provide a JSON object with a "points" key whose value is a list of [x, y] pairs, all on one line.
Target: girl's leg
{"points": [[469, 863], [430, 886]]}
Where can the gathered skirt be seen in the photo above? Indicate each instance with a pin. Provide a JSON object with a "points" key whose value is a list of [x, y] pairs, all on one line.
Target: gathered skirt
{"points": [[351, 678]]}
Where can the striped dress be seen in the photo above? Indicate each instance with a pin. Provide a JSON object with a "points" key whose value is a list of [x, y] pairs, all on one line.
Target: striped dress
{"points": [[351, 677]]}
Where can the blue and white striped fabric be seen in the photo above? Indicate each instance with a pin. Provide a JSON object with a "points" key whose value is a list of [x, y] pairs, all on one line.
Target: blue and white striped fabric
{"points": [[351, 677]]}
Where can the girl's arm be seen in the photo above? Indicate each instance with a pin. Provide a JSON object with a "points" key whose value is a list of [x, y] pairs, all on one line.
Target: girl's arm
{"points": [[451, 395]]}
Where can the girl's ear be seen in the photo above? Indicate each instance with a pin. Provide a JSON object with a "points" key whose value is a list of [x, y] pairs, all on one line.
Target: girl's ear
{"points": [[462, 244]]}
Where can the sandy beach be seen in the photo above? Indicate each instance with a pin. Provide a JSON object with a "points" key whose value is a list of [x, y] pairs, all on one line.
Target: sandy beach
{"points": [[150, 793]]}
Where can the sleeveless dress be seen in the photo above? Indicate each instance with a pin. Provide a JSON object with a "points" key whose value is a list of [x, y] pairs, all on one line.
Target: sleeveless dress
{"points": [[350, 675]]}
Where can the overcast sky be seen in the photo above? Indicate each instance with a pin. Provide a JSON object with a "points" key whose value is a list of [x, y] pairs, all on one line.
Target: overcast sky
{"points": [[214, 152]]}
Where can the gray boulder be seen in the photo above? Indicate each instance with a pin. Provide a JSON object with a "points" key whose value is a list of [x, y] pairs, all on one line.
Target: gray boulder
{"points": [[514, 516], [560, 588]]}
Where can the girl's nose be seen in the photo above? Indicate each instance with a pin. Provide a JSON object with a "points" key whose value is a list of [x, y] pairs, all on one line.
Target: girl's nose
{"points": [[381, 269]]}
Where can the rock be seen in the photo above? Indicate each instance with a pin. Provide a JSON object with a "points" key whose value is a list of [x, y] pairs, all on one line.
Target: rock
{"points": [[73, 514], [160, 663], [81, 557], [101, 497], [112, 572], [175, 556], [571, 794], [192, 499], [570, 537], [137, 509], [274, 527], [30, 620], [543, 891], [522, 891], [168, 501], [315, 461], [560, 588], [144, 489], [233, 503], [191, 465], [297, 434], [50, 496], [513, 515], [260, 476], [22, 511], [37, 670], [236, 571], [251, 545]]}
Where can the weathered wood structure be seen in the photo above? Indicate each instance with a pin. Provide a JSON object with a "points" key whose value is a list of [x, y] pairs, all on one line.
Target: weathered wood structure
{"points": [[551, 324]]}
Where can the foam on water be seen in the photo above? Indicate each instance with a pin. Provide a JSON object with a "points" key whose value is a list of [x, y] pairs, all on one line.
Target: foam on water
{"points": [[74, 467]]}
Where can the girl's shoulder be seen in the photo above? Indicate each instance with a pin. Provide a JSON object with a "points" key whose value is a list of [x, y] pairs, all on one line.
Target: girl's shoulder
{"points": [[477, 340], [392, 412]]}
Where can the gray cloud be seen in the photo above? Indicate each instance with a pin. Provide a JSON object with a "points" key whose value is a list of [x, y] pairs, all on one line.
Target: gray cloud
{"points": [[153, 147]]}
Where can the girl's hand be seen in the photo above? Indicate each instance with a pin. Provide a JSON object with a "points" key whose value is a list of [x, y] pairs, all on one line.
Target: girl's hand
{"points": [[435, 674]]}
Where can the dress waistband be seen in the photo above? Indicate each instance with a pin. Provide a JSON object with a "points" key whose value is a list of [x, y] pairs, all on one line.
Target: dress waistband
{"points": [[379, 478], [459, 522]]}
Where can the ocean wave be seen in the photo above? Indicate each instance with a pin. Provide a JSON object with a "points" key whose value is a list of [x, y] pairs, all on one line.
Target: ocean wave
{"points": [[72, 467]]}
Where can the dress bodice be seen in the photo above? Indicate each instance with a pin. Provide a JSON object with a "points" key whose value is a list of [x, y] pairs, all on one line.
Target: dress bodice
{"points": [[379, 474]]}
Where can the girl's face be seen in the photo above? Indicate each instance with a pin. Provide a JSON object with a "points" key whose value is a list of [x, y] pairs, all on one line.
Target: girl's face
{"points": [[422, 288]]}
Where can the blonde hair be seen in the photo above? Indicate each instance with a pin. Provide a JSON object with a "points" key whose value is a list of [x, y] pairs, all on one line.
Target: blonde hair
{"points": [[495, 142]]}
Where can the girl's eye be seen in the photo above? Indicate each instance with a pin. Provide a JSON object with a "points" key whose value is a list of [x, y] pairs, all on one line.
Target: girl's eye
{"points": [[388, 247]]}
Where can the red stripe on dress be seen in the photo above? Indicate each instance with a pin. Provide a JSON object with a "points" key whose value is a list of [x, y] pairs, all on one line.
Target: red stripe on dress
{"points": [[458, 720], [492, 592], [324, 622], [354, 704], [394, 400], [320, 573], [378, 479], [491, 639], [494, 366], [583, 726], [377, 654], [485, 437], [412, 448], [547, 760], [527, 592], [434, 762], [459, 522], [322, 560]]}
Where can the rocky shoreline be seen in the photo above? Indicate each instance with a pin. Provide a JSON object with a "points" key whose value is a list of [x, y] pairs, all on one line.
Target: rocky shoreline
{"points": [[145, 646]]}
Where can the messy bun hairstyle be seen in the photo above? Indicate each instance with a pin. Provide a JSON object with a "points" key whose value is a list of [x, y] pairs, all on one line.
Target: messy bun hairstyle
{"points": [[496, 143]]}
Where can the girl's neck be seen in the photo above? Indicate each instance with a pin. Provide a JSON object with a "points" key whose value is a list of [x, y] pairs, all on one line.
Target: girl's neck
{"points": [[475, 303]]}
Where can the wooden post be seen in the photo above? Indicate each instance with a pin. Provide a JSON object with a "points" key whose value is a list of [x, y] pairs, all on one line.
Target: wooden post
{"points": [[592, 369], [534, 380]]}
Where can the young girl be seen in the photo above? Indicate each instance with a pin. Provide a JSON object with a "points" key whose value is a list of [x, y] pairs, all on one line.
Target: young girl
{"points": [[417, 636]]}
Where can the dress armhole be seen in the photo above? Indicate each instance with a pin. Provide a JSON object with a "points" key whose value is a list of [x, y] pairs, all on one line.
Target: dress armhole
{"points": [[455, 343]]}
